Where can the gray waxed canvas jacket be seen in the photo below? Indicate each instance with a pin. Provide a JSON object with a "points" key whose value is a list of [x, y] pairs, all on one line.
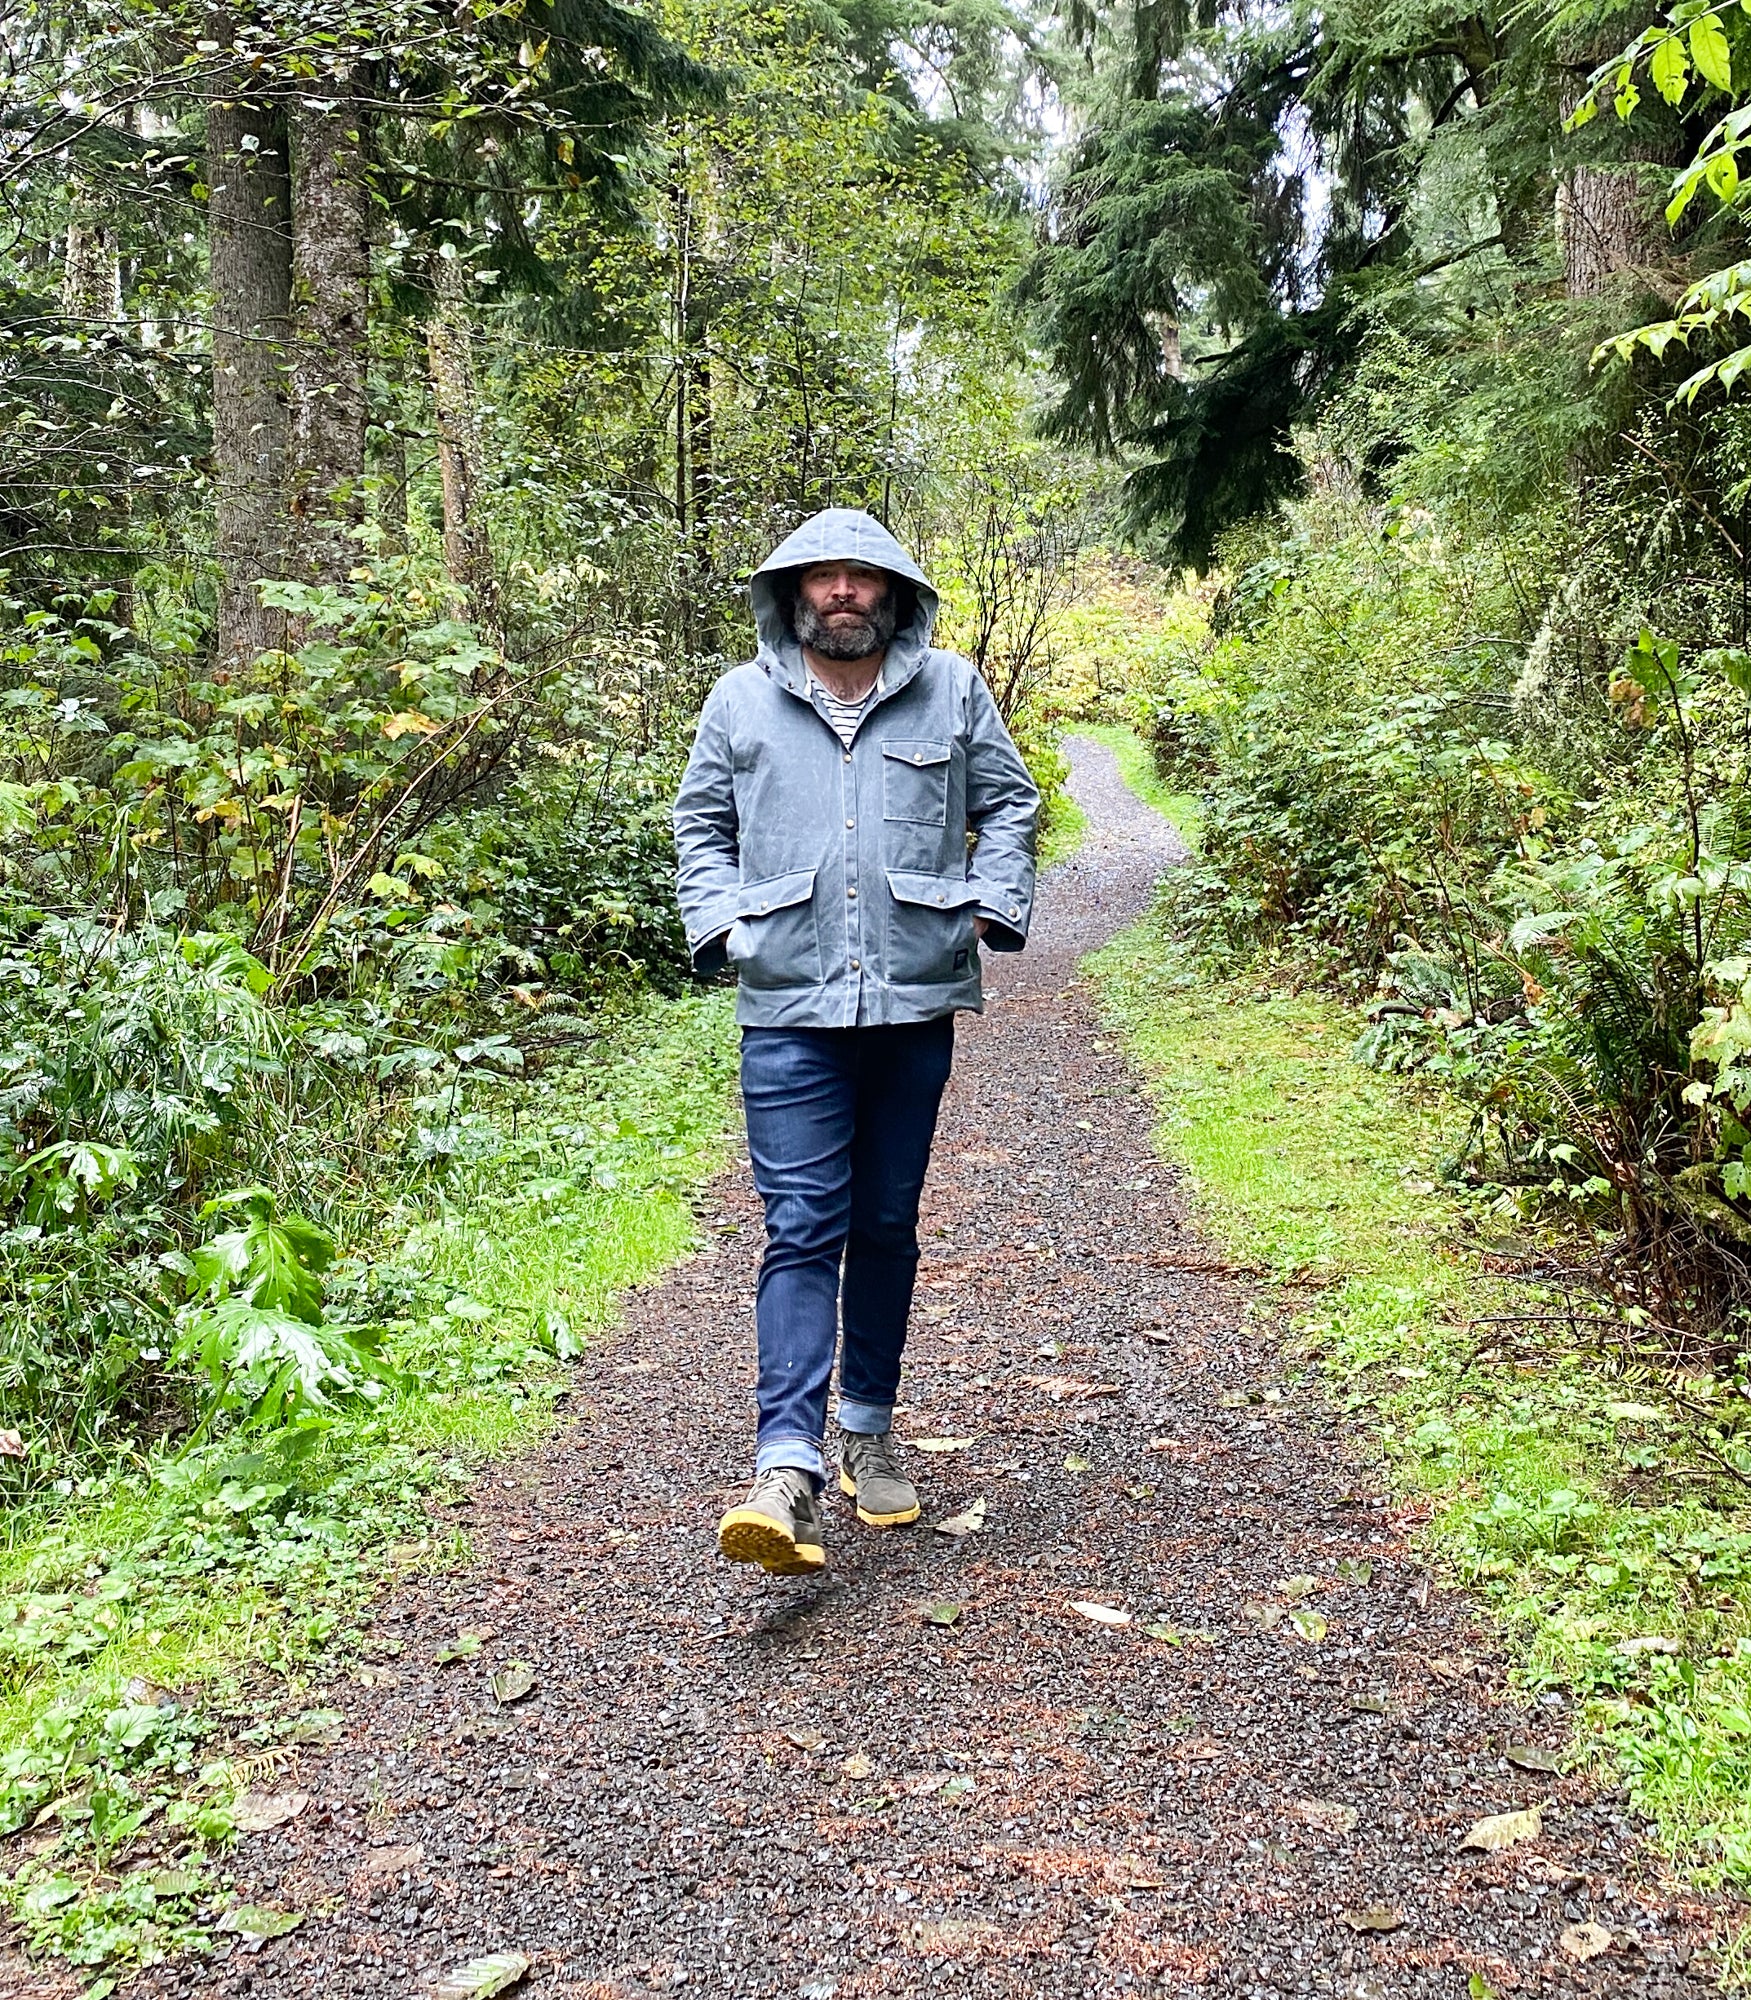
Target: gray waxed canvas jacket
{"points": [[841, 884]]}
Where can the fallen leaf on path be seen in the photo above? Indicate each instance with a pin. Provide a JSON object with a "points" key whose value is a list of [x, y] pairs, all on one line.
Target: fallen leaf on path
{"points": [[968, 1523], [1353, 1571], [1169, 1635], [378, 1677], [1368, 1704], [481, 1978], [1267, 1617], [1295, 1588], [805, 1736], [942, 1614], [11, 1444], [251, 1920], [1477, 1987], [1498, 1830], [1309, 1624], [463, 1647], [1100, 1614], [386, 1861], [1328, 1815], [857, 1765], [1077, 1463], [1139, 1492], [1070, 1389], [959, 1788], [260, 1812], [1376, 1917], [513, 1682], [942, 1444], [1585, 1941], [1531, 1756], [1452, 1670]]}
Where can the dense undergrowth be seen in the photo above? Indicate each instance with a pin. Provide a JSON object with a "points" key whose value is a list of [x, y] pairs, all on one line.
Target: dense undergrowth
{"points": [[160, 1621]]}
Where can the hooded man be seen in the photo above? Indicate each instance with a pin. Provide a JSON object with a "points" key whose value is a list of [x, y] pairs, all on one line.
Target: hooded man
{"points": [[854, 823]]}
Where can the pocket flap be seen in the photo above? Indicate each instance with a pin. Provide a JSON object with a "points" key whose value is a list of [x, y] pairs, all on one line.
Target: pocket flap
{"points": [[915, 750], [777, 892], [936, 892]]}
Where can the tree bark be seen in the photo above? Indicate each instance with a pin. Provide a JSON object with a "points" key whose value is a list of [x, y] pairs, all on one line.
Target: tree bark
{"points": [[1610, 223], [331, 268], [250, 263], [91, 277], [455, 401]]}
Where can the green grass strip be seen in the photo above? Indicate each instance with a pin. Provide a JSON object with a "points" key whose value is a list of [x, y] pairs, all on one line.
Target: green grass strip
{"points": [[132, 1609]]}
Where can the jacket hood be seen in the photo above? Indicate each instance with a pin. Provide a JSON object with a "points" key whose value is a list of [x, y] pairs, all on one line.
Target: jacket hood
{"points": [[838, 534]]}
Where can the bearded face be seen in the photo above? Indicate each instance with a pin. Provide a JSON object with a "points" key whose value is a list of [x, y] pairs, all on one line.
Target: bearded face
{"points": [[845, 611]]}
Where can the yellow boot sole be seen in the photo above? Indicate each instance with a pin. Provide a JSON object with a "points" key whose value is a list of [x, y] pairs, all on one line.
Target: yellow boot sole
{"points": [[848, 1486], [746, 1535]]}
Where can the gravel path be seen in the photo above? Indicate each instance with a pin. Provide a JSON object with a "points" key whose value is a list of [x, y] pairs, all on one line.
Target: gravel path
{"points": [[756, 1787]]}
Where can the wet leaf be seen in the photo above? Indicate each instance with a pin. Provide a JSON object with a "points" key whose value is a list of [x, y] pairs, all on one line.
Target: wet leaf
{"points": [[1328, 1815], [1309, 1624], [1498, 1830], [1353, 1571], [1169, 1635], [1368, 1704], [1077, 1463], [1477, 1987], [11, 1444], [251, 1920], [1376, 1917], [1647, 1642], [942, 1444], [481, 1978], [513, 1682], [1267, 1617], [858, 1766], [1295, 1588], [1531, 1756], [969, 1523], [805, 1736], [463, 1647], [384, 1862], [942, 1614], [1139, 1492], [1099, 1614], [1585, 1941], [959, 1787], [259, 1812]]}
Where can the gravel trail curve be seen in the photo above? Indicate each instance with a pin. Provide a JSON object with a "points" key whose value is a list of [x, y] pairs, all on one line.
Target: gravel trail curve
{"points": [[745, 1786]]}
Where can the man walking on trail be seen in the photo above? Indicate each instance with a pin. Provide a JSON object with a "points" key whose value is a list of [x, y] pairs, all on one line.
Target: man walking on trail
{"points": [[823, 828]]}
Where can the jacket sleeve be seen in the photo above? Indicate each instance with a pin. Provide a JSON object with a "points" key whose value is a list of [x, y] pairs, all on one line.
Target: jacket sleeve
{"points": [[708, 841], [1003, 807]]}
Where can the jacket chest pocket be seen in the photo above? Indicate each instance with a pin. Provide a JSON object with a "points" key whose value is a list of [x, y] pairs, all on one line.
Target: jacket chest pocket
{"points": [[915, 780]]}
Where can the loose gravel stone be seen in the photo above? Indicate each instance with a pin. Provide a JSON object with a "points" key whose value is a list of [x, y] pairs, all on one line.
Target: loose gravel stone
{"points": [[751, 1786]]}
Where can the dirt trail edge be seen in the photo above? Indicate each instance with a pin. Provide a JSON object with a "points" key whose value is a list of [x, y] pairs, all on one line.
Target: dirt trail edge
{"points": [[1257, 1785]]}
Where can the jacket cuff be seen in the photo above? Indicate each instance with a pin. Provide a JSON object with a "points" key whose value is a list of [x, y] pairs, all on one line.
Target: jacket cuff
{"points": [[999, 936], [709, 956], [1006, 913]]}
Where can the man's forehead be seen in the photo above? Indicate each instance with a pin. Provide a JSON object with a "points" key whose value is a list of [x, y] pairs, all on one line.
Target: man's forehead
{"points": [[836, 563]]}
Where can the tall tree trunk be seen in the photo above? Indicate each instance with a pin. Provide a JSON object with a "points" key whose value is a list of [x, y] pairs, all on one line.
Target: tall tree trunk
{"points": [[391, 457], [331, 268], [249, 217], [455, 399], [91, 277], [1610, 223]]}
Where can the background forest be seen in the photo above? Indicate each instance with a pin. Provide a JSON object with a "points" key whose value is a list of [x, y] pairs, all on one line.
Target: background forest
{"points": [[393, 401]]}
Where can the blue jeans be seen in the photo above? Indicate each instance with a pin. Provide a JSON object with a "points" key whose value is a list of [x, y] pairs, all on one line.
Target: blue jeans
{"points": [[840, 1122]]}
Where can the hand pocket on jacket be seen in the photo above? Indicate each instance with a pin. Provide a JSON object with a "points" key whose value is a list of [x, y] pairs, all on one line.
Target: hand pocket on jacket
{"points": [[930, 929], [774, 941]]}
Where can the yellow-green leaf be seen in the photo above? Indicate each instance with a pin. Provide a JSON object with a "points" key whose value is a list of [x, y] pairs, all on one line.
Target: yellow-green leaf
{"points": [[1710, 52], [1670, 70]]}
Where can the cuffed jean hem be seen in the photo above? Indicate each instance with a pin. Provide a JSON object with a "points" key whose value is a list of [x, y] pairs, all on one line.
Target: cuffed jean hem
{"points": [[865, 1419], [802, 1453]]}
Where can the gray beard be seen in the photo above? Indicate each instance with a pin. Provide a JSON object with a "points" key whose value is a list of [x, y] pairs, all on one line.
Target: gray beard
{"points": [[846, 642]]}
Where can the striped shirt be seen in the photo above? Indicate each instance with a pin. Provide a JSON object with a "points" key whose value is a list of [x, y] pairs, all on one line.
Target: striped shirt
{"points": [[845, 715]]}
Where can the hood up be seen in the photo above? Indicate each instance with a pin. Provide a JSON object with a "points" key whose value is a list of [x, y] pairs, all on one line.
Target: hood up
{"points": [[838, 534]]}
